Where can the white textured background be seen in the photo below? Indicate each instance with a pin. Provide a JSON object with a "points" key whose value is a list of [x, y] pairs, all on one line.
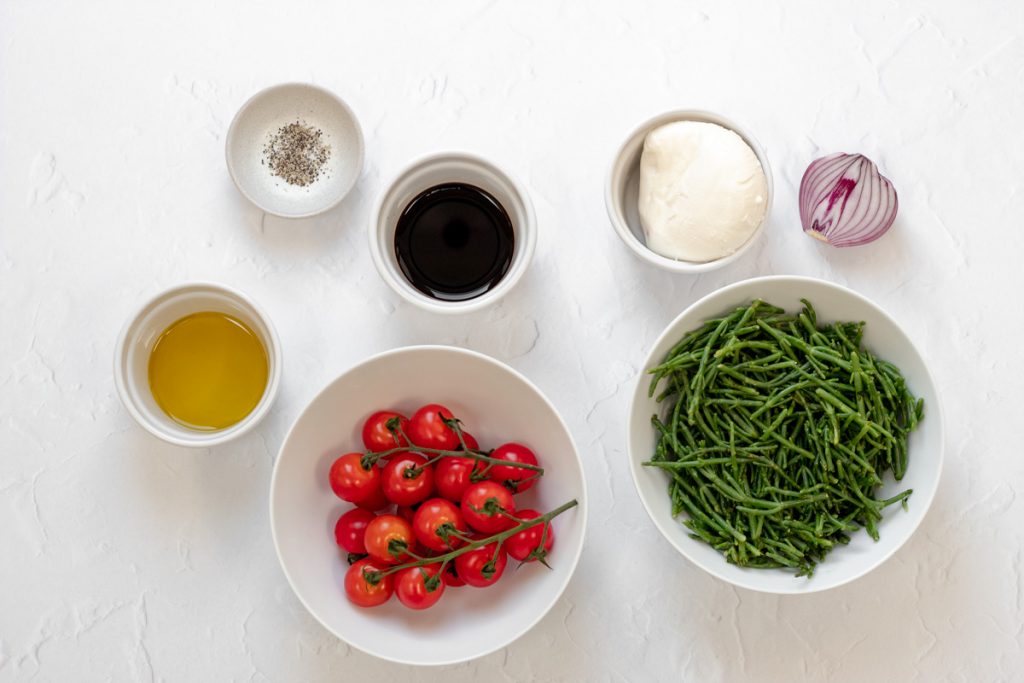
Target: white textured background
{"points": [[124, 558]]}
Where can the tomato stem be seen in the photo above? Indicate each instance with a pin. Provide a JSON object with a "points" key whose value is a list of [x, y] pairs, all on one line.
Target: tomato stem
{"points": [[461, 536], [490, 508], [431, 583], [516, 484], [414, 555], [520, 520], [369, 458], [498, 538], [372, 458], [540, 553]]}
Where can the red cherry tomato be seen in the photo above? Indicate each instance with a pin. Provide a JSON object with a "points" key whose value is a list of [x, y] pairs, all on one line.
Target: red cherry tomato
{"points": [[453, 475], [350, 530], [406, 512], [376, 435], [481, 505], [387, 538], [451, 577], [481, 567], [406, 480], [433, 522], [428, 430], [376, 502], [518, 479], [352, 482], [359, 589], [417, 587], [525, 546]]}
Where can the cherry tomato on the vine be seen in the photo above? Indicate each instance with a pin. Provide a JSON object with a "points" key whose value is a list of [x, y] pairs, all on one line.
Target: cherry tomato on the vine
{"points": [[359, 589], [375, 502], [376, 435], [470, 440], [482, 504], [406, 512], [357, 484], [434, 522], [388, 537], [482, 566], [350, 530], [453, 475], [407, 480], [417, 587], [451, 577], [525, 545], [428, 430], [518, 479]]}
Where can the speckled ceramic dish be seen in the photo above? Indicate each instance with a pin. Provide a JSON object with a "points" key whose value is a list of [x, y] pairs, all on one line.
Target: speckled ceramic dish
{"points": [[263, 115]]}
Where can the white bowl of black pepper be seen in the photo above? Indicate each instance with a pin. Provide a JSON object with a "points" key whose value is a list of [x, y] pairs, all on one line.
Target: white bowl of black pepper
{"points": [[295, 150]]}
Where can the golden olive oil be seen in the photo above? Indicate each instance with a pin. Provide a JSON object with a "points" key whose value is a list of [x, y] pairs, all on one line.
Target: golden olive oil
{"points": [[208, 370]]}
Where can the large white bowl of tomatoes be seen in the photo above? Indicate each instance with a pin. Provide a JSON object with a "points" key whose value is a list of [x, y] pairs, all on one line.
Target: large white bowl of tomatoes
{"points": [[428, 506]]}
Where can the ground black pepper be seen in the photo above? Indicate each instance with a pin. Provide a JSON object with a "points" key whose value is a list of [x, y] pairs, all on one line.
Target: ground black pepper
{"points": [[297, 154]]}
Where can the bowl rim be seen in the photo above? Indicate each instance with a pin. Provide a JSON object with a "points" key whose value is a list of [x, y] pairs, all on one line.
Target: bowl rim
{"points": [[203, 439], [269, 90], [619, 222], [581, 499], [527, 235], [923, 502]]}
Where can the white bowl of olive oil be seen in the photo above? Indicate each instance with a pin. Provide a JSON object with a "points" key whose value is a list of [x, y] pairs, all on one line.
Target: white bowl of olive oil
{"points": [[198, 364]]}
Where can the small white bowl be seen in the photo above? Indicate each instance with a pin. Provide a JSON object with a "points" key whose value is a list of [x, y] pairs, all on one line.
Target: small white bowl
{"points": [[140, 333], [447, 167], [498, 405], [883, 336], [261, 116], [622, 189]]}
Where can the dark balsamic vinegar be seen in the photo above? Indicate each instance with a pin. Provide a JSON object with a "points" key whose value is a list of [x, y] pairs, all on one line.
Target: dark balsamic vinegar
{"points": [[454, 241]]}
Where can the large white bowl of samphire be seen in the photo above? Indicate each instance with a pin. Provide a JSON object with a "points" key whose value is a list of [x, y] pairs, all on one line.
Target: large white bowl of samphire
{"points": [[497, 405], [882, 336]]}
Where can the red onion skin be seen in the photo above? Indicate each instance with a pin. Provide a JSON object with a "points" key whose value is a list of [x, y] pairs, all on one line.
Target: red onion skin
{"points": [[845, 201]]}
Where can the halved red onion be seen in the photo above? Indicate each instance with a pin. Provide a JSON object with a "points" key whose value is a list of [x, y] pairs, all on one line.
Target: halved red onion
{"points": [[845, 201]]}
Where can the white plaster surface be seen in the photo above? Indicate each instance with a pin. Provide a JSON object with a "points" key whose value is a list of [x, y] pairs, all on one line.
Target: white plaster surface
{"points": [[122, 558]]}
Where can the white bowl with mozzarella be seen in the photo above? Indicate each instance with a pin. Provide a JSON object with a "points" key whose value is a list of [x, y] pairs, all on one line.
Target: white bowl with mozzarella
{"points": [[714, 245]]}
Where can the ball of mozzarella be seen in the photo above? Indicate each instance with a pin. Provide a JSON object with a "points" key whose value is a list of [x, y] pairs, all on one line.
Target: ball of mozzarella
{"points": [[703, 192]]}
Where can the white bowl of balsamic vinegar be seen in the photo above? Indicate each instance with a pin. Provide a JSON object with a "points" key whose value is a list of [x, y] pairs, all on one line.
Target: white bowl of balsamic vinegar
{"points": [[452, 233]]}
